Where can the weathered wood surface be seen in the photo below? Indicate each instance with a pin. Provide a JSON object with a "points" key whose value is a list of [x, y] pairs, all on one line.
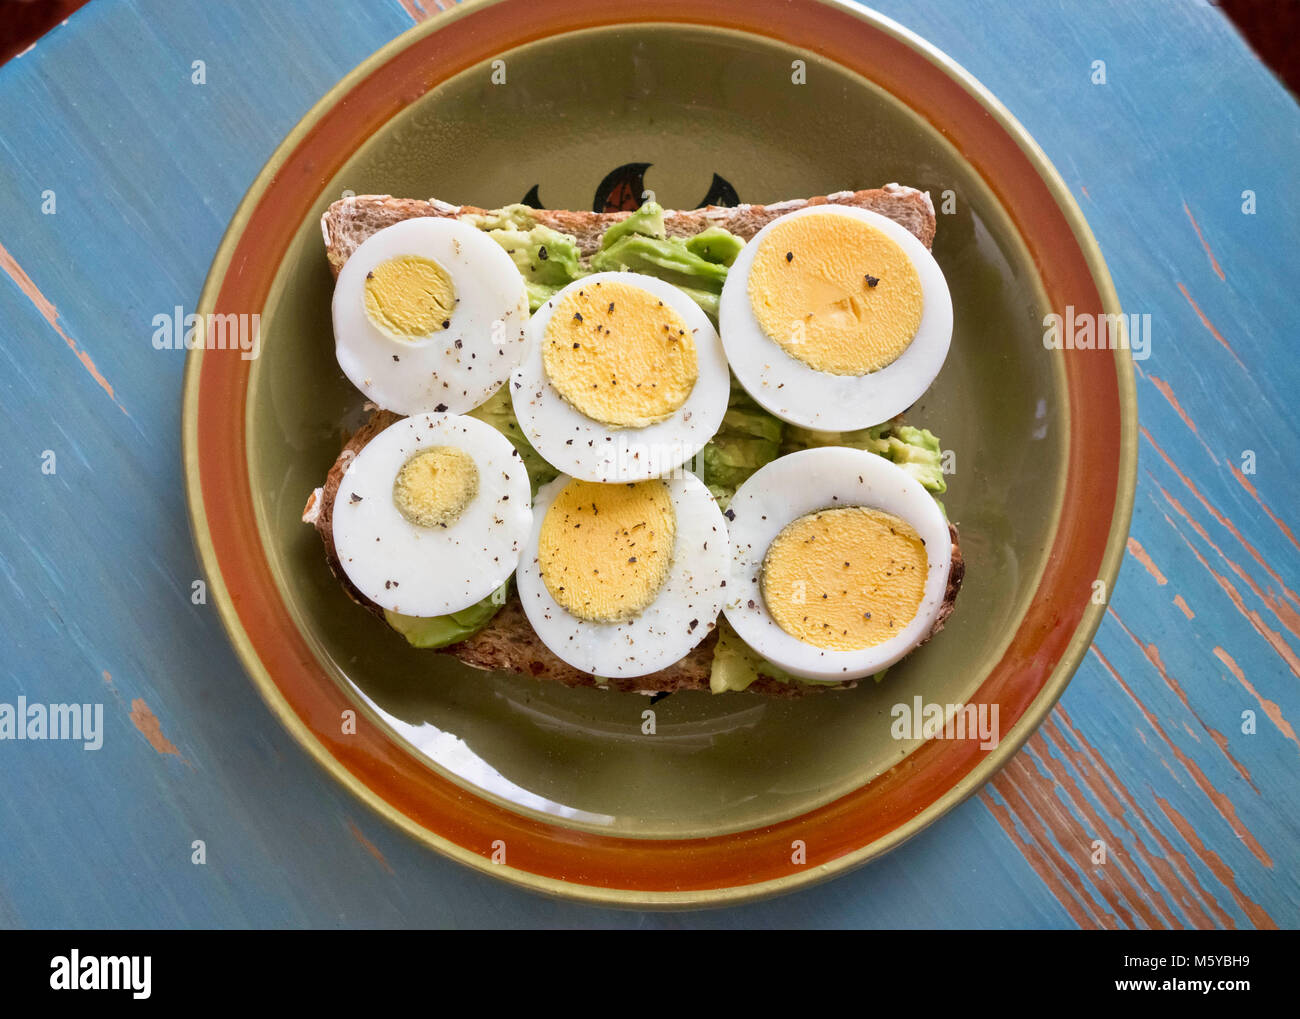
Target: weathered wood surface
{"points": [[1145, 752]]}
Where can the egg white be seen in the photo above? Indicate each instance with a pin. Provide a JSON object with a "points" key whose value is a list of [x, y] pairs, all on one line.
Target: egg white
{"points": [[694, 591], [592, 451], [489, 321], [791, 390], [800, 483], [431, 571]]}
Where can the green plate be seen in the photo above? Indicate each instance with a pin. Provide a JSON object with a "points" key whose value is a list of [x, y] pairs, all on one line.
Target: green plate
{"points": [[691, 102]]}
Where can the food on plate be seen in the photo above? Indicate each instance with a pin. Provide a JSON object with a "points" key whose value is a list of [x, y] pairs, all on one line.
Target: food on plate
{"points": [[835, 318], [631, 424], [429, 315], [624, 378], [621, 580], [430, 517], [841, 563]]}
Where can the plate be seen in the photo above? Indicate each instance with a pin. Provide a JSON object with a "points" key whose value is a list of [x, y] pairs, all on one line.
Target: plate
{"points": [[579, 103]]}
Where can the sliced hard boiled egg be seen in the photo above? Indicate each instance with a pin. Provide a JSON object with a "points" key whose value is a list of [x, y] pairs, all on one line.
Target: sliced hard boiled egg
{"points": [[430, 314], [624, 379], [835, 318], [624, 579], [840, 563], [430, 517]]}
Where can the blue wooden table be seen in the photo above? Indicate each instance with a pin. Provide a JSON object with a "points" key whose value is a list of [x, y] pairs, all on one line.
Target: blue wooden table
{"points": [[1175, 745]]}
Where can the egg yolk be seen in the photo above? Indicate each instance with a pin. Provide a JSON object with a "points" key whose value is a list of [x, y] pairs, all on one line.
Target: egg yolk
{"points": [[619, 355], [835, 293], [409, 297], [435, 485], [845, 579], [604, 550]]}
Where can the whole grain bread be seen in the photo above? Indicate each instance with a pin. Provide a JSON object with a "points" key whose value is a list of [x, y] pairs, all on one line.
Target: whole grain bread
{"points": [[349, 221], [508, 643]]}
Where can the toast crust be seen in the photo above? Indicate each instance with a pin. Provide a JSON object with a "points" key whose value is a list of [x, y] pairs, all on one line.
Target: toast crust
{"points": [[508, 643], [349, 221]]}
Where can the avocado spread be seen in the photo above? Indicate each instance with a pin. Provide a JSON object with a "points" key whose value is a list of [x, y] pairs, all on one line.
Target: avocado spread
{"points": [[736, 665], [440, 631], [549, 260], [748, 438], [916, 450]]}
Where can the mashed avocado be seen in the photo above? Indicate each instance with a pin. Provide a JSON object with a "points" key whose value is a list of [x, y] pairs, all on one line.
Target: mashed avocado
{"points": [[748, 438], [440, 631], [916, 450], [736, 665], [549, 260], [697, 266]]}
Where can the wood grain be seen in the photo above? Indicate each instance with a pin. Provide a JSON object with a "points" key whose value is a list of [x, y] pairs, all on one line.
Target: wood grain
{"points": [[1148, 752]]}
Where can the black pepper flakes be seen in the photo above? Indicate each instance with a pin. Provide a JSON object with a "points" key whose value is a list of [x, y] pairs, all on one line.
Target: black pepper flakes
{"points": [[355, 497], [578, 315], [542, 253], [872, 280], [789, 256], [441, 408]]}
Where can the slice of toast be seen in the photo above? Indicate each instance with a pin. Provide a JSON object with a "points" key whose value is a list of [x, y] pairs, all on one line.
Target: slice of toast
{"points": [[508, 643], [349, 221]]}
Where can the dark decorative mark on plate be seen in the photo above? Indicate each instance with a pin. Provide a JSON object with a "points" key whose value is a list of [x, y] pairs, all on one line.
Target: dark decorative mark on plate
{"points": [[623, 187]]}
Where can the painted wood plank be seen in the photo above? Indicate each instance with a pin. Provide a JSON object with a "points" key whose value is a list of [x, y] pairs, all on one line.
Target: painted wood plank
{"points": [[1145, 752]]}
